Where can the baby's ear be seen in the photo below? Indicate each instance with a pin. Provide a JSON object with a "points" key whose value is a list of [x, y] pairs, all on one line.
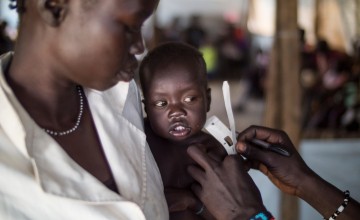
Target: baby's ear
{"points": [[53, 12], [208, 97]]}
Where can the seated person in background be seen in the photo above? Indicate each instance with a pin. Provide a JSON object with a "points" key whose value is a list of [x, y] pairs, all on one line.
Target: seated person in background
{"points": [[176, 99]]}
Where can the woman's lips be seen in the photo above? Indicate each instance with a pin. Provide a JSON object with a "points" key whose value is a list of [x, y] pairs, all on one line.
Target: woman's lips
{"points": [[129, 71], [126, 74]]}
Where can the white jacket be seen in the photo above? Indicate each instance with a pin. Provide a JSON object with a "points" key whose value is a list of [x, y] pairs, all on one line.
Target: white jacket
{"points": [[38, 180]]}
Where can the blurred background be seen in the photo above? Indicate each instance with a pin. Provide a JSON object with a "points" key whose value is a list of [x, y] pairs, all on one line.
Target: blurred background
{"points": [[291, 64]]}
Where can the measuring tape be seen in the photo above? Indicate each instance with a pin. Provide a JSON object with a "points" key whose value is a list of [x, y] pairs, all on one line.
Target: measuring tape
{"points": [[215, 127]]}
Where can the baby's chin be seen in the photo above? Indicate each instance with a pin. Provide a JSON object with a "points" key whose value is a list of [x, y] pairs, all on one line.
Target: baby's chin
{"points": [[186, 140]]}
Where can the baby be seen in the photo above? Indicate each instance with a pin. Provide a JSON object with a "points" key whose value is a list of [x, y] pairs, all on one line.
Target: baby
{"points": [[176, 100]]}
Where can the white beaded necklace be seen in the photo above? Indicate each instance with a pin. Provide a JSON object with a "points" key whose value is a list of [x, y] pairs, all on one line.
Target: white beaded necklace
{"points": [[62, 133]]}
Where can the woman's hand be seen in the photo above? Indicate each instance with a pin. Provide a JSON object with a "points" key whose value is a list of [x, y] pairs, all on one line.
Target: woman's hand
{"points": [[183, 204], [225, 187]]}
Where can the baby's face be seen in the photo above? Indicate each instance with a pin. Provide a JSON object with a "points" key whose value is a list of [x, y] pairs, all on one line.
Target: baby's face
{"points": [[176, 103]]}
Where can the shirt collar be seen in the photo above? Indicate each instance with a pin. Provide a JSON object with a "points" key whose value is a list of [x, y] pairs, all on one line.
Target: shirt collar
{"points": [[9, 117]]}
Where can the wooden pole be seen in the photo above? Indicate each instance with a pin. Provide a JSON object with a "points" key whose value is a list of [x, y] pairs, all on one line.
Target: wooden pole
{"points": [[283, 91], [357, 35], [357, 18], [317, 19]]}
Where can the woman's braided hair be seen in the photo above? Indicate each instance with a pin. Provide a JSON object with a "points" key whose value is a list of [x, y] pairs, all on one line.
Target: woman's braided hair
{"points": [[18, 5]]}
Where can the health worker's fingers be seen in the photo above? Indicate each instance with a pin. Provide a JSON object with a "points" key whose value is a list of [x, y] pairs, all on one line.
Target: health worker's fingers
{"points": [[200, 157], [197, 173], [269, 135]]}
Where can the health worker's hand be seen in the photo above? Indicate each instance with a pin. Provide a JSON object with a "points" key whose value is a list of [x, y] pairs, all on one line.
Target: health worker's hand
{"points": [[225, 187], [287, 173]]}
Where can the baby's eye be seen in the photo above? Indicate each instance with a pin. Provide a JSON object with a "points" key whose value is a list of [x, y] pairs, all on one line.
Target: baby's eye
{"points": [[160, 103], [189, 99]]}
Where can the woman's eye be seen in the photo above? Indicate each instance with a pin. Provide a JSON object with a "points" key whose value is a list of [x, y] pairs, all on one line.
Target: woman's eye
{"points": [[160, 103], [189, 99]]}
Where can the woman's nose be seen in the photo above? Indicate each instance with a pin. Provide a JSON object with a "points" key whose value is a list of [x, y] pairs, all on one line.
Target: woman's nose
{"points": [[137, 46]]}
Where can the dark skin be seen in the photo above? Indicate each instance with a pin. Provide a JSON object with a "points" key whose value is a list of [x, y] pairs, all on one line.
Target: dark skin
{"points": [[225, 187], [294, 178], [229, 183], [174, 168], [176, 102], [173, 161], [56, 50], [47, 90]]}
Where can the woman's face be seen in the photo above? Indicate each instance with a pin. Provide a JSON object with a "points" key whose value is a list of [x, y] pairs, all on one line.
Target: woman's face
{"points": [[176, 102], [98, 43]]}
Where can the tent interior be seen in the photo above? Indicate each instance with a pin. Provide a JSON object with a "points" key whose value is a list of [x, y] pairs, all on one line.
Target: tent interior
{"points": [[236, 38]]}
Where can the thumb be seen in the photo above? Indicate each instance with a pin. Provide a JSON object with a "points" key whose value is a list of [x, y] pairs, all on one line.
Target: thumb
{"points": [[253, 153]]}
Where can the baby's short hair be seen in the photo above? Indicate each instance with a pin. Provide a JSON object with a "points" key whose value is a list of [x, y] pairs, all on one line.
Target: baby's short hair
{"points": [[167, 54]]}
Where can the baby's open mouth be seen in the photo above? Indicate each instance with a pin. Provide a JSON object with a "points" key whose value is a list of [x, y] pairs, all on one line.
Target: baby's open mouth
{"points": [[179, 130]]}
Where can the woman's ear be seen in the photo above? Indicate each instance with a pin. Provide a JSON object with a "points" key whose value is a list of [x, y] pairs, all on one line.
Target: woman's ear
{"points": [[53, 12], [208, 97]]}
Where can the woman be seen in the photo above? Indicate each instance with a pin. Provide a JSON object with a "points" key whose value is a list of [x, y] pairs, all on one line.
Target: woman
{"points": [[71, 138]]}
